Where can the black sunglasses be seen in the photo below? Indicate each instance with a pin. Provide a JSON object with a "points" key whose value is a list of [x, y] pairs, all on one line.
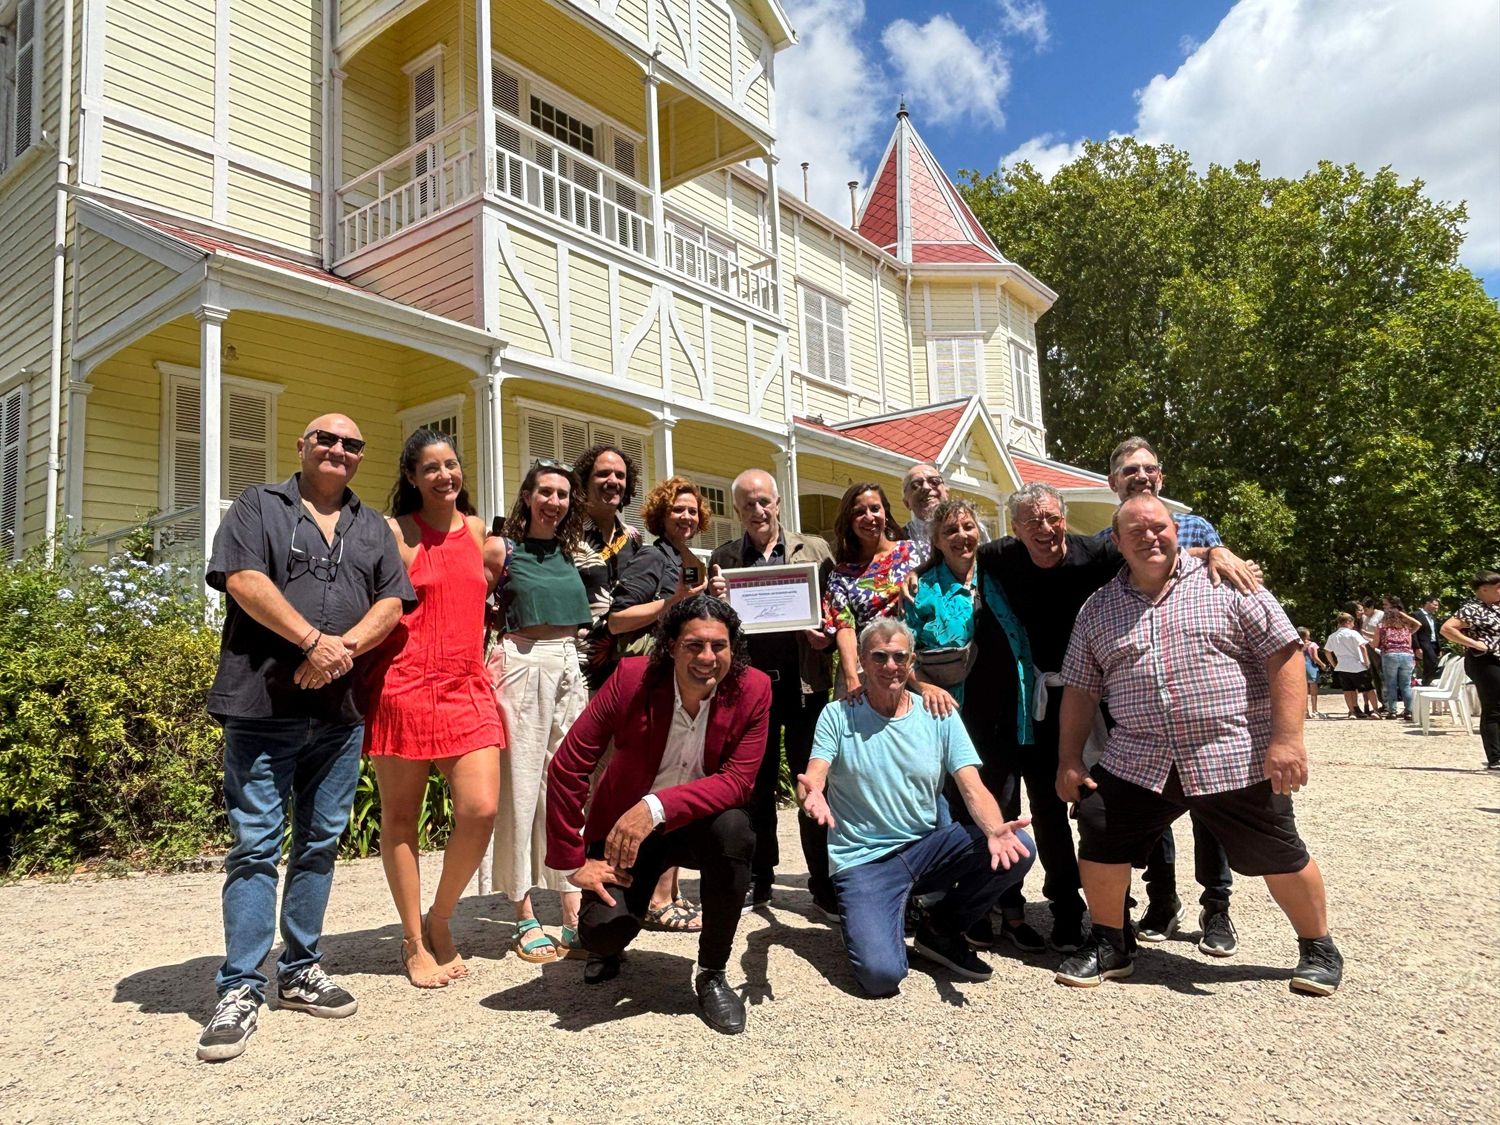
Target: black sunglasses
{"points": [[320, 567], [899, 659], [328, 439]]}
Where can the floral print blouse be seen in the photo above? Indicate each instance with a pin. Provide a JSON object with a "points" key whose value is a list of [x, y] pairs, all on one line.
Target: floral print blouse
{"points": [[858, 593]]}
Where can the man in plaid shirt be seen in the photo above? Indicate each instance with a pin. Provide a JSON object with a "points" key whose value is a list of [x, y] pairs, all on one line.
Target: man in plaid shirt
{"points": [[1206, 688]]}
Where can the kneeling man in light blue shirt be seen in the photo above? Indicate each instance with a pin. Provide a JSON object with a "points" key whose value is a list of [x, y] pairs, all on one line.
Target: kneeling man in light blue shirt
{"points": [[875, 780]]}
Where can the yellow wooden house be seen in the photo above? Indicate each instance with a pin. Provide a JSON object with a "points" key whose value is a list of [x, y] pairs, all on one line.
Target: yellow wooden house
{"points": [[535, 223]]}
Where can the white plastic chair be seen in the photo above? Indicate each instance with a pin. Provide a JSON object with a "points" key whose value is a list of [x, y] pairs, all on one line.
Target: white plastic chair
{"points": [[1451, 689]]}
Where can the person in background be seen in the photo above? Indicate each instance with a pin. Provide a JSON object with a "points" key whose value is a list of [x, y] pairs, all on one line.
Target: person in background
{"points": [[1312, 665], [922, 490], [542, 690], [799, 668], [1368, 618], [314, 581], [1476, 627], [431, 704], [1351, 666], [1393, 637], [607, 475], [1426, 637]]}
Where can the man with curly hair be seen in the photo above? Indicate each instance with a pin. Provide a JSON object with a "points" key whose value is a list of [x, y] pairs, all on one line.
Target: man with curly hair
{"points": [[608, 477], [682, 733]]}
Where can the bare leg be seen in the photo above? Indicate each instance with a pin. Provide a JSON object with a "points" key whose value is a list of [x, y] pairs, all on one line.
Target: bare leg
{"points": [[1351, 701], [1312, 699], [1105, 886], [1302, 897], [474, 780], [571, 900], [402, 784], [666, 889]]}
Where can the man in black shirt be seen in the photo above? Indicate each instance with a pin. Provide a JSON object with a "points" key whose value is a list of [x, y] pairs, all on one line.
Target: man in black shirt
{"points": [[314, 581]]}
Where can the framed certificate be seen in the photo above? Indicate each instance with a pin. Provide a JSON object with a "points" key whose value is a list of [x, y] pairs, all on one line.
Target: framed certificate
{"points": [[775, 599]]}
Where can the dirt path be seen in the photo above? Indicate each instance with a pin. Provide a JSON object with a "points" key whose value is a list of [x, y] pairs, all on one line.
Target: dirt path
{"points": [[101, 1003]]}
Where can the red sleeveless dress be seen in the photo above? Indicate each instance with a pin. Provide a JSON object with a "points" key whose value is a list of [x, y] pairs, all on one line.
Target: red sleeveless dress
{"points": [[430, 694]]}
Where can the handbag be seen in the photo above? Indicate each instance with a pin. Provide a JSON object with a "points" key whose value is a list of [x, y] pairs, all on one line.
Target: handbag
{"points": [[947, 666]]}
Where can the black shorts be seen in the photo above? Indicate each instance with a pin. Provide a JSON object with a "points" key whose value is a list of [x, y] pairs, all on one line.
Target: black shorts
{"points": [[1354, 681], [1120, 822]]}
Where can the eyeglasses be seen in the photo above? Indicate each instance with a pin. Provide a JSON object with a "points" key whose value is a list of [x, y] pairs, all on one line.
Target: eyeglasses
{"points": [[327, 439], [1044, 522], [321, 567], [1147, 470], [930, 482], [899, 659], [546, 463]]}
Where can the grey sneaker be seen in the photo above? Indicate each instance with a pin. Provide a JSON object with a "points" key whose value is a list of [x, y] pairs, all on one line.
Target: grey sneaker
{"points": [[1217, 937], [1161, 920], [231, 1025], [311, 990], [1320, 969]]}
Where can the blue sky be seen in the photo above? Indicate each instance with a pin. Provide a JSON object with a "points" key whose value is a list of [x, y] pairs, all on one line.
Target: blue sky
{"points": [[1410, 83]]}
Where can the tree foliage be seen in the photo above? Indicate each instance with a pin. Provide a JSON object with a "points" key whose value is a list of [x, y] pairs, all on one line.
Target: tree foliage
{"points": [[1319, 375]]}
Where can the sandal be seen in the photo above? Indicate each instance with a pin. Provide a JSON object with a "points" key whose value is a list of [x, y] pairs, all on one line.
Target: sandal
{"points": [[570, 946], [435, 979], [531, 949], [677, 917], [457, 968]]}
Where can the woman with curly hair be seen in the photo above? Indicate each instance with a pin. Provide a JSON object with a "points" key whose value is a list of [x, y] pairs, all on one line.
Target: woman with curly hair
{"points": [[542, 690]]}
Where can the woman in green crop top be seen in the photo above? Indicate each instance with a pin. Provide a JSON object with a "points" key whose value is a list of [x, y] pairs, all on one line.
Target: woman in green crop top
{"points": [[541, 691]]}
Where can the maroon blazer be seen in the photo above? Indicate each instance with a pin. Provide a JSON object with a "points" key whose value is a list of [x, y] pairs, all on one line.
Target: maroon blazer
{"points": [[637, 718]]}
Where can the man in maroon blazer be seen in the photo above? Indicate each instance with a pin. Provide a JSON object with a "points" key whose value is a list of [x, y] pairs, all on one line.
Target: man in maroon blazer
{"points": [[684, 731]]}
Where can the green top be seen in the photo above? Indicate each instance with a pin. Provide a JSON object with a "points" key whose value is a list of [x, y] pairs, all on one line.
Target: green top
{"points": [[544, 586]]}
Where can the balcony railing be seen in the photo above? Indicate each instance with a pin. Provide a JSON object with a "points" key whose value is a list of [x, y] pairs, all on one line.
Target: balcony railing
{"points": [[175, 537], [753, 283], [437, 173]]}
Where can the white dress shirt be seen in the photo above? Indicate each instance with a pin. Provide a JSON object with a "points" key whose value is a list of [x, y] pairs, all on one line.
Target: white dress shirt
{"points": [[682, 759]]}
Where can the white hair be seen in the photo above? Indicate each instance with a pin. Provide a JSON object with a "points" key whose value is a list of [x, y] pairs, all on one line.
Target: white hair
{"points": [[883, 627], [1027, 496], [739, 485]]}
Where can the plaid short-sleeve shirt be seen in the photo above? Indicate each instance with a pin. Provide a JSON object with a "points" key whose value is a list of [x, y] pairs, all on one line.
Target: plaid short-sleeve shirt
{"points": [[1185, 676]]}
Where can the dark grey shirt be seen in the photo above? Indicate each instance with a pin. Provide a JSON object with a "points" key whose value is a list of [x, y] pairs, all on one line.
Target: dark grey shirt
{"points": [[332, 585]]}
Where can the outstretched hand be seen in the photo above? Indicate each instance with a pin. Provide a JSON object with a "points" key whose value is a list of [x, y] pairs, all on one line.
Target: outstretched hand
{"points": [[1006, 847], [814, 804]]}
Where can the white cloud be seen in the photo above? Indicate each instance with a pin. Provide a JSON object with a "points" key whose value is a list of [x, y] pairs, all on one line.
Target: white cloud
{"points": [[1026, 19], [946, 75], [1289, 83], [832, 104], [1046, 153]]}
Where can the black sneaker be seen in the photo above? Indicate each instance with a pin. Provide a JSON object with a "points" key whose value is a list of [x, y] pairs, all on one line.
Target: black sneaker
{"points": [[718, 1004], [981, 934], [1023, 937], [1098, 961], [1217, 937], [231, 1025], [1320, 968], [1067, 935], [953, 953], [916, 915], [311, 990], [1161, 920], [757, 896], [600, 968], [828, 907]]}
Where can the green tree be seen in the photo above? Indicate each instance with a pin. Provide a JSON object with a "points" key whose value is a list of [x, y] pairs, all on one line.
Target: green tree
{"points": [[1317, 371]]}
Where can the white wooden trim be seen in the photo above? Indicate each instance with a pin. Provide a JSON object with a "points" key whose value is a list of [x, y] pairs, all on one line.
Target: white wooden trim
{"points": [[637, 334], [563, 100], [77, 444], [453, 404], [243, 382], [157, 245], [164, 305], [564, 303], [539, 306], [705, 384], [91, 135], [220, 206]]}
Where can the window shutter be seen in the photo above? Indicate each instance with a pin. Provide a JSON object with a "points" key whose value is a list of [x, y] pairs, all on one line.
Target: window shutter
{"points": [[966, 353], [184, 448], [813, 347], [944, 371], [541, 439], [634, 448], [507, 95], [248, 445], [27, 78], [573, 441], [1023, 386], [623, 151], [838, 363], [248, 441], [12, 427]]}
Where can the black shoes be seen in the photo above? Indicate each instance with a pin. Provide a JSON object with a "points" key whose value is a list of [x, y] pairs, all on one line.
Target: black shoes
{"points": [[1161, 920], [981, 934], [1320, 968], [953, 953], [1102, 959], [1067, 934], [231, 1025], [311, 990], [1023, 937], [828, 906], [600, 968], [757, 896], [1218, 938], [718, 1004]]}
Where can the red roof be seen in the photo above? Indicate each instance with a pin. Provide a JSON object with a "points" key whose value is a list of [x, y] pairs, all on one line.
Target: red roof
{"points": [[1059, 476], [941, 228], [218, 245], [918, 436]]}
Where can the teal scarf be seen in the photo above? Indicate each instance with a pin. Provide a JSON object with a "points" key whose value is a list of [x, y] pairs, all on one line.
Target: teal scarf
{"points": [[995, 601]]}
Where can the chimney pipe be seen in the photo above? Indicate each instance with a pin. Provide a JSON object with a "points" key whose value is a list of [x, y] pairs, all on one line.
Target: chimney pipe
{"points": [[853, 205], [805, 198]]}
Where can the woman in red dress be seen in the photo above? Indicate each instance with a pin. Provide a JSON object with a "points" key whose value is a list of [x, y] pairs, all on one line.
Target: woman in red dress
{"points": [[431, 703]]}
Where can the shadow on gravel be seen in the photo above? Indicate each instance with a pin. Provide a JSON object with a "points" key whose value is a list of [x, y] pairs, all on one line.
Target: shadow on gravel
{"points": [[1440, 769], [1481, 808], [649, 983], [821, 948], [1186, 974]]}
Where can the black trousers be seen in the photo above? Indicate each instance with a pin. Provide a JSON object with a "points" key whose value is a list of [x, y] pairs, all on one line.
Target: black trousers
{"points": [[718, 846], [1210, 867], [794, 719], [1484, 670], [1430, 657]]}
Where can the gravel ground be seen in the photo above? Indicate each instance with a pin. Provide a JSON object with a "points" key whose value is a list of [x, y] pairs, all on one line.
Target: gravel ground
{"points": [[101, 1008]]}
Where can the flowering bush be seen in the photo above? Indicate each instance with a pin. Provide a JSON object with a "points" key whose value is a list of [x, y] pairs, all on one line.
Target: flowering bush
{"points": [[105, 748]]}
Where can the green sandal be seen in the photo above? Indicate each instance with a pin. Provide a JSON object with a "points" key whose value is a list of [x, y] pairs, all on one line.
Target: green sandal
{"points": [[570, 946], [530, 949]]}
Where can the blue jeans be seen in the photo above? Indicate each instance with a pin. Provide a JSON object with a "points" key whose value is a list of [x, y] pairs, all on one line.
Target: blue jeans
{"points": [[872, 897], [1396, 669], [316, 763]]}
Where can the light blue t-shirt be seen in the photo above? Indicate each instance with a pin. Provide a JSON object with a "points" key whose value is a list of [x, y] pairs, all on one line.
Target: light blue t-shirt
{"points": [[885, 776]]}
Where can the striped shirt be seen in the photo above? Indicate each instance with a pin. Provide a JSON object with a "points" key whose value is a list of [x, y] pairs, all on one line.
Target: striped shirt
{"points": [[1186, 678]]}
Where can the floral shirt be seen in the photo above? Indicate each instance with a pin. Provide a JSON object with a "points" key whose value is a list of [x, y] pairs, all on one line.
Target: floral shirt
{"points": [[858, 593], [1393, 639], [1481, 623]]}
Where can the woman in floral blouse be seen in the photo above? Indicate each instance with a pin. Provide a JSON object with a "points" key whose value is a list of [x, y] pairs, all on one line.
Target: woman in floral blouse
{"points": [[1476, 626]]}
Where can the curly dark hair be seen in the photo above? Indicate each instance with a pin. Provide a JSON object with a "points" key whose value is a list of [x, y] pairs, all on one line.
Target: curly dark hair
{"points": [[699, 607], [405, 497], [846, 547], [662, 496], [569, 528], [583, 469]]}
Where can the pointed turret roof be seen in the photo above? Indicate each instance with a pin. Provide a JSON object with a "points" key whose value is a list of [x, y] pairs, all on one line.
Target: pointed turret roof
{"points": [[915, 213]]}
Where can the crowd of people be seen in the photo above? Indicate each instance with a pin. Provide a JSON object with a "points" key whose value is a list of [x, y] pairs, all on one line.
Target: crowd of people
{"points": [[602, 718]]}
